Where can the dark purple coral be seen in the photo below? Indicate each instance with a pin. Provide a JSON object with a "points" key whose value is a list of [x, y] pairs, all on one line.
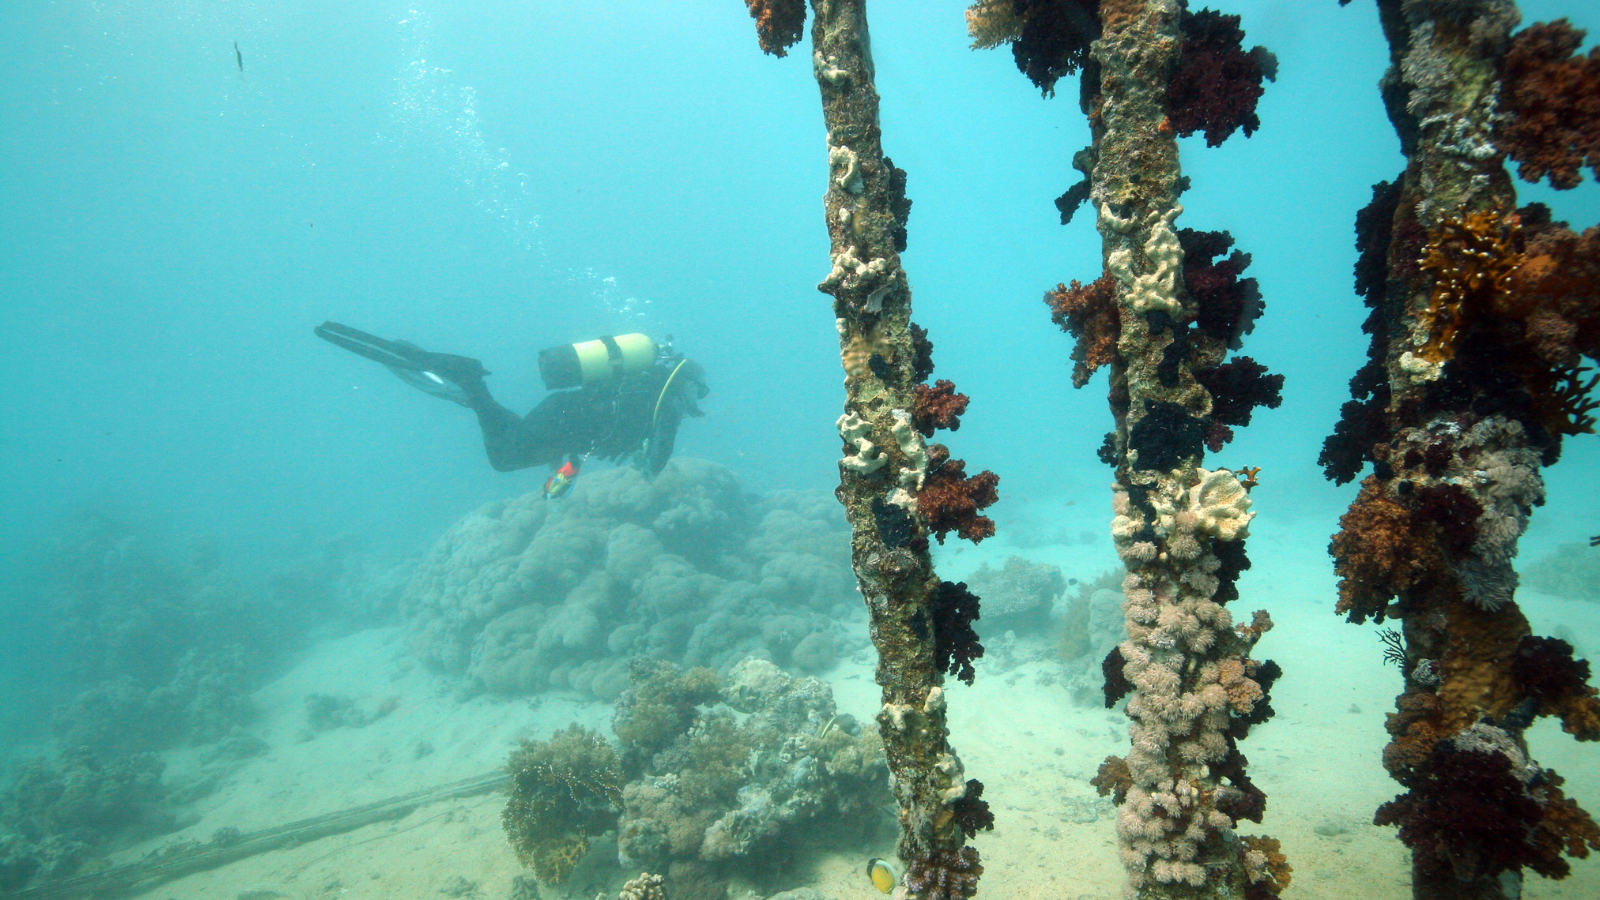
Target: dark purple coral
{"points": [[1244, 801], [1166, 436], [1237, 387], [1552, 98], [1545, 671], [1229, 305], [779, 23], [972, 812], [1116, 684], [955, 642], [944, 875], [1218, 82], [1468, 808], [1364, 420], [1054, 40], [1454, 511]]}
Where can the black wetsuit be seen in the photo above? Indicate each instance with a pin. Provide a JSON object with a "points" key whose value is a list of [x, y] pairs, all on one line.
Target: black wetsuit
{"points": [[640, 414]]}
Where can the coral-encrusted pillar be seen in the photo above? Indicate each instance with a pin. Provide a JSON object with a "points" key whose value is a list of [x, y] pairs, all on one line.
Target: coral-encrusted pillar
{"points": [[1179, 528], [897, 489], [1164, 317], [1471, 382]]}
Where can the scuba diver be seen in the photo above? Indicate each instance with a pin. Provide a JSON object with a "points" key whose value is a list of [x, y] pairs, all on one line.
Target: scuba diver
{"points": [[611, 398]]}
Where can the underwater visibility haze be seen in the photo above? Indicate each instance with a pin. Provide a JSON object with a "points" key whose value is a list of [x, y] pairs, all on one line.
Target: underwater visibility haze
{"points": [[782, 598]]}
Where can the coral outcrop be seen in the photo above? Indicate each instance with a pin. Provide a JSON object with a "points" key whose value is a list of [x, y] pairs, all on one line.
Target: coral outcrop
{"points": [[58, 813], [563, 792], [1472, 380], [524, 595], [728, 786], [1020, 594]]}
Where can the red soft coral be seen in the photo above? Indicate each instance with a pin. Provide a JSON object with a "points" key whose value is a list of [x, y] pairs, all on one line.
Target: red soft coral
{"points": [[1381, 550], [780, 23], [938, 407], [1088, 312], [1552, 99], [1218, 82], [1557, 289], [950, 501]]}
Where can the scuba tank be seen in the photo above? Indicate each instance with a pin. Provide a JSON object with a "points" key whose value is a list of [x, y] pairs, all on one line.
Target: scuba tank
{"points": [[598, 362]]}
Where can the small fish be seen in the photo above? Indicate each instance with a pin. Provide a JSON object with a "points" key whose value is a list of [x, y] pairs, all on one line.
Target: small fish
{"points": [[238, 57], [882, 875], [557, 485]]}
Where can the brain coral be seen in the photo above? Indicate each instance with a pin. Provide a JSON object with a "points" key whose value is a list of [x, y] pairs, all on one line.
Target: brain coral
{"points": [[526, 594]]}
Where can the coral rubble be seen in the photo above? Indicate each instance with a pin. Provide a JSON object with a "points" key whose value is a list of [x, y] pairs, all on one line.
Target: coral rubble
{"points": [[1481, 316]]}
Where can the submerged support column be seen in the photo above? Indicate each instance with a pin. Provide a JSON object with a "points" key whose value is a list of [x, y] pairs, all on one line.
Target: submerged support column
{"points": [[1163, 317], [1481, 316], [1179, 528], [898, 490]]}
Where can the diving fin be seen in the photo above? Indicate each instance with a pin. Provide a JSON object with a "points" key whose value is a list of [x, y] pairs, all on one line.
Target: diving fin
{"points": [[458, 379]]}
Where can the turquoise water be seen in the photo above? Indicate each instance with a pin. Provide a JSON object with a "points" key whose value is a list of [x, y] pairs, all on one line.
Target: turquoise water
{"points": [[492, 179]]}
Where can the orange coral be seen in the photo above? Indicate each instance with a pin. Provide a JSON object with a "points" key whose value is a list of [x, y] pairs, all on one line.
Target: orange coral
{"points": [[1381, 549], [1475, 666], [1114, 778], [1557, 289], [1552, 99], [1088, 313], [1565, 828], [938, 407], [1413, 731], [1243, 692], [951, 501], [992, 23], [864, 354], [779, 23], [1472, 262], [1266, 863]]}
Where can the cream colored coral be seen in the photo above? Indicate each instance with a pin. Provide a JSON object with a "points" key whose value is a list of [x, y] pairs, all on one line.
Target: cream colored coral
{"points": [[645, 887], [1223, 505], [1156, 289], [913, 447], [868, 459], [992, 23]]}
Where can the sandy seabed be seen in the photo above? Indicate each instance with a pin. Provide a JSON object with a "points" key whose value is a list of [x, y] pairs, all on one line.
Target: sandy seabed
{"points": [[1016, 729]]}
